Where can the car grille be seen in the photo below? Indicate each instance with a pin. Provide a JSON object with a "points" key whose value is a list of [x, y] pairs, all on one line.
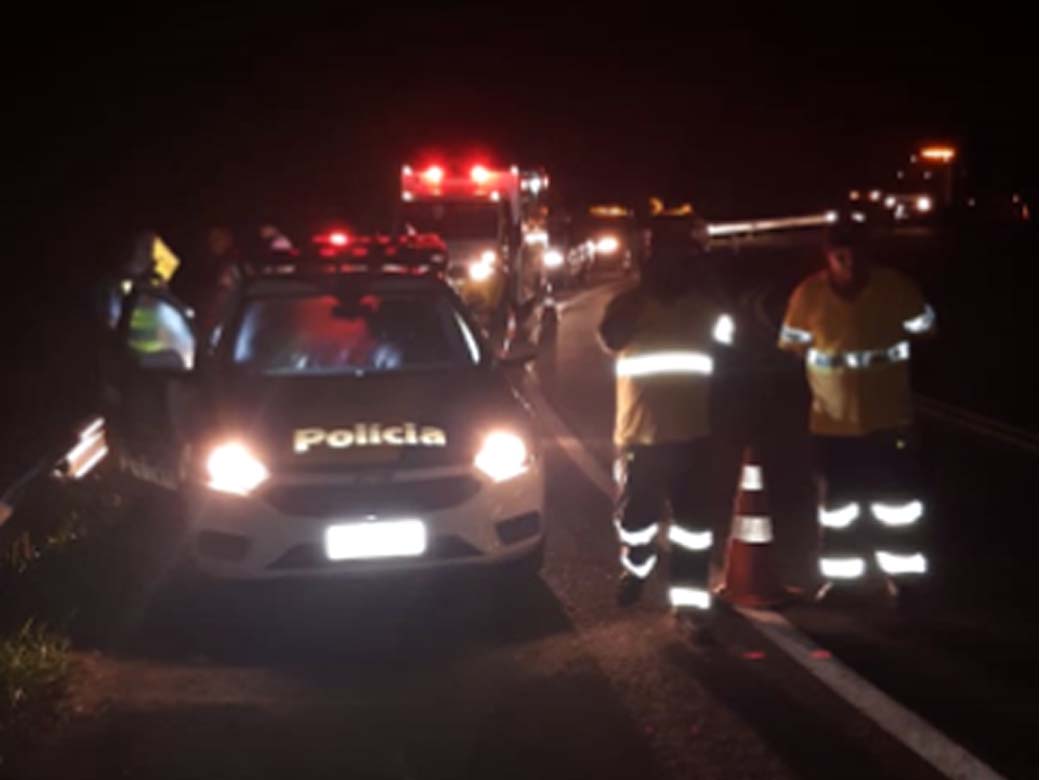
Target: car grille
{"points": [[325, 500]]}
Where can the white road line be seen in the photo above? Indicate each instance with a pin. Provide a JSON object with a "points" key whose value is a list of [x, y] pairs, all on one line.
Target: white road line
{"points": [[910, 729], [570, 443]]}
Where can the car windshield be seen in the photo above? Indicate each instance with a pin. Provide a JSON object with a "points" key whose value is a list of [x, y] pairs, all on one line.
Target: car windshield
{"points": [[328, 335], [453, 220]]}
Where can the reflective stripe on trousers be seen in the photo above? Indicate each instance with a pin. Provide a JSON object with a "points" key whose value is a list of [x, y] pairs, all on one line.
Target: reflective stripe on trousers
{"points": [[656, 481], [850, 540]]}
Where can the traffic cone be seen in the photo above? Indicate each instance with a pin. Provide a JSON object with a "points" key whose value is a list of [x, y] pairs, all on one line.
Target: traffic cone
{"points": [[751, 578]]}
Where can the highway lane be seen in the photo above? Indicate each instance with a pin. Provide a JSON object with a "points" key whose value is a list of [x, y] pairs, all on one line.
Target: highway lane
{"points": [[456, 677], [964, 656]]}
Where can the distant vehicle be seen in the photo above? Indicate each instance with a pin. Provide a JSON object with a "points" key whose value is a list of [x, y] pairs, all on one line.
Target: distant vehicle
{"points": [[909, 207], [876, 204], [350, 418], [610, 235], [477, 210]]}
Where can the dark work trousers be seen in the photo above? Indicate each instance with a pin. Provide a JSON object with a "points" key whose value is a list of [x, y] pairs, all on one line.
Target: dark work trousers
{"points": [[871, 506], [656, 478]]}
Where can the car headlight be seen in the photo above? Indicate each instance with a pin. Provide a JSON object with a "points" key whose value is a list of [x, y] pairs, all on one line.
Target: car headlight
{"points": [[607, 245], [924, 203], [232, 468], [553, 258], [481, 271], [503, 456]]}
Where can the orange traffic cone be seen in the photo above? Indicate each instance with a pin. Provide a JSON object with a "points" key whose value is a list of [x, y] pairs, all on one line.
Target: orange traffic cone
{"points": [[751, 578]]}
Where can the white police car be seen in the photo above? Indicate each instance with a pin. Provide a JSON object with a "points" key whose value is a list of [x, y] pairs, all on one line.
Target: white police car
{"points": [[341, 421]]}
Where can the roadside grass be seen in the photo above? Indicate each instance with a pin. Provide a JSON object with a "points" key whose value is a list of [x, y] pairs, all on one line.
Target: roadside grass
{"points": [[34, 672], [47, 566]]}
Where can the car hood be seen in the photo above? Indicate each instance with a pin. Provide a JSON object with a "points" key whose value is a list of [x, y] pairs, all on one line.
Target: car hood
{"points": [[418, 420]]}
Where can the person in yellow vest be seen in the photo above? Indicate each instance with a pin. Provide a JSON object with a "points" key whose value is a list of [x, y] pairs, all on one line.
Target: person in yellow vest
{"points": [[853, 323], [663, 333]]}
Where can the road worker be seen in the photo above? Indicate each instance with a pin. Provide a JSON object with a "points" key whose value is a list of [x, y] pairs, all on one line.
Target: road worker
{"points": [[663, 333], [853, 323]]}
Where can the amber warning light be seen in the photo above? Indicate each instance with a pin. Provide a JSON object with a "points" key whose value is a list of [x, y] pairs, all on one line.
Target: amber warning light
{"points": [[943, 154]]}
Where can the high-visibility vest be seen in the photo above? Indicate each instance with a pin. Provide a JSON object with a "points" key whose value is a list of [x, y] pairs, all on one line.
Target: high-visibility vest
{"points": [[145, 330], [664, 372], [857, 352]]}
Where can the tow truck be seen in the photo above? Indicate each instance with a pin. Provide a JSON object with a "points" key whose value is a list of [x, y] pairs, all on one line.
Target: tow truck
{"points": [[478, 211], [348, 418]]}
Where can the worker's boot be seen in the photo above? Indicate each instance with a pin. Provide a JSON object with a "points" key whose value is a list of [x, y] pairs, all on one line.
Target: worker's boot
{"points": [[629, 589]]}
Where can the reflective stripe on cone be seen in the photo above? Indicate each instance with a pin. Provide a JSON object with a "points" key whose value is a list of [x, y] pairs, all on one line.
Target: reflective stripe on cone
{"points": [[751, 579]]}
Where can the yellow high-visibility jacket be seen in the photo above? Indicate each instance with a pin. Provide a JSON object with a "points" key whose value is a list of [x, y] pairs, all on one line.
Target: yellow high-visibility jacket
{"points": [[857, 352], [664, 370]]}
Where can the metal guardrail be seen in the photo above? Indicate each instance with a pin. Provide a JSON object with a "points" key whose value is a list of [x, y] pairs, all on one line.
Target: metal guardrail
{"points": [[752, 226]]}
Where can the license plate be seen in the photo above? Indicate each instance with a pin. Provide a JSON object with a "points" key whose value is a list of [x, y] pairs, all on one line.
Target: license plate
{"points": [[383, 539]]}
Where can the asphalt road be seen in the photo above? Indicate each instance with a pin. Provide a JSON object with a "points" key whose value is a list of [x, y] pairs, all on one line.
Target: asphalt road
{"points": [[462, 676]]}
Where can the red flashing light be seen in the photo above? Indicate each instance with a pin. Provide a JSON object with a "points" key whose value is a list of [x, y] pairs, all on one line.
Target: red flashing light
{"points": [[338, 238], [479, 174], [434, 174]]}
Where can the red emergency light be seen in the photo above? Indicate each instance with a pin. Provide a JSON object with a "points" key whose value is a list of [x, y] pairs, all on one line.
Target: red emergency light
{"points": [[477, 181], [433, 175], [333, 238]]}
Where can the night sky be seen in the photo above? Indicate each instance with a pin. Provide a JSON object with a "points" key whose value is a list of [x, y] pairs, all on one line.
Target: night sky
{"points": [[178, 117]]}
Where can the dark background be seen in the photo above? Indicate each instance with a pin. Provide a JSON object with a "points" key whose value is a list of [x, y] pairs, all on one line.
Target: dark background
{"points": [[175, 118], [142, 117]]}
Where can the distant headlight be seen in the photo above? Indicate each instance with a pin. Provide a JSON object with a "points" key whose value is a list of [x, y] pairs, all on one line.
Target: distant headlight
{"points": [[535, 237], [924, 203], [481, 271], [232, 468], [607, 245], [502, 456], [553, 258]]}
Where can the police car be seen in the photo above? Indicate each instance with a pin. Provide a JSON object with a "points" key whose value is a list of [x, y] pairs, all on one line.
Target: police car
{"points": [[346, 416]]}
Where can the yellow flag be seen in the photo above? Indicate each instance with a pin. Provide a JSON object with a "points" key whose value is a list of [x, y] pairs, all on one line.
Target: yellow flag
{"points": [[166, 262]]}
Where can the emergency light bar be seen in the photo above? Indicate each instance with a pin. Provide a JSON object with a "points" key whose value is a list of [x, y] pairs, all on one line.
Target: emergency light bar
{"points": [[339, 252], [477, 182]]}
